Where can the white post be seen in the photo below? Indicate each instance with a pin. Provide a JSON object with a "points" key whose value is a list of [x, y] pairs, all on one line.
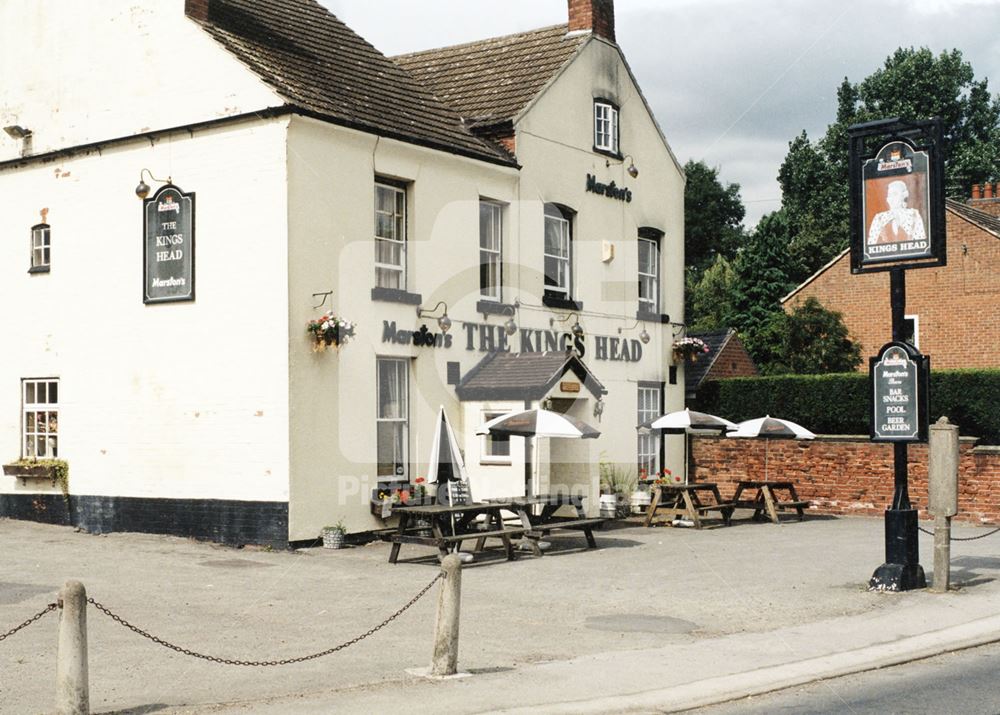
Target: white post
{"points": [[942, 487], [445, 661], [72, 679]]}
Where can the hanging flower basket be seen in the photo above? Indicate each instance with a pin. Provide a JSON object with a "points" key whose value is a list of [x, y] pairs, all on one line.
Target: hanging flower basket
{"points": [[689, 349], [329, 329]]}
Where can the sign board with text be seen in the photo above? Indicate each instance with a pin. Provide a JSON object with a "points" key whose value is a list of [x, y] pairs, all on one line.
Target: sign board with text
{"points": [[898, 381], [168, 246]]}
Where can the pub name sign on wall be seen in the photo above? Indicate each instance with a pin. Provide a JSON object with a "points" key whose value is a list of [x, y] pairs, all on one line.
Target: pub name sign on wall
{"points": [[168, 246], [897, 195]]}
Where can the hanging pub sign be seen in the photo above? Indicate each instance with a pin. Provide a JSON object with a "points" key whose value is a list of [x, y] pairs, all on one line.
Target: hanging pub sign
{"points": [[897, 195], [168, 246], [898, 378]]}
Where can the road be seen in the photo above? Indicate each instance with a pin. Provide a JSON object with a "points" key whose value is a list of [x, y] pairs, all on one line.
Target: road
{"points": [[964, 682]]}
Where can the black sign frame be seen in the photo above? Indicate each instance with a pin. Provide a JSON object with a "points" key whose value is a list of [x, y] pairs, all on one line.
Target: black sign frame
{"points": [[923, 370], [866, 141], [187, 212]]}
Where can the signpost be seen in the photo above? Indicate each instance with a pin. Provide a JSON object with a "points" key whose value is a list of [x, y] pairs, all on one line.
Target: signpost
{"points": [[897, 223]]}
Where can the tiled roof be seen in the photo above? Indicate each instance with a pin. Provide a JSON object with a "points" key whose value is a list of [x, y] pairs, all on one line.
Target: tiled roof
{"points": [[319, 65], [984, 220], [695, 372], [527, 376], [492, 80]]}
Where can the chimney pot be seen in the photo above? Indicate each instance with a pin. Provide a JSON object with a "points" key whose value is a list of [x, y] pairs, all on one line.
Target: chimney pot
{"points": [[596, 16], [988, 190], [976, 193]]}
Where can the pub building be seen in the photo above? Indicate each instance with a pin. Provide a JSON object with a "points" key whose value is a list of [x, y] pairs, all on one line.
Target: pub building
{"points": [[501, 223]]}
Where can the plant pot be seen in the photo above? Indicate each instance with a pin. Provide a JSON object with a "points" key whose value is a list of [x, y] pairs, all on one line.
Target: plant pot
{"points": [[333, 539]]}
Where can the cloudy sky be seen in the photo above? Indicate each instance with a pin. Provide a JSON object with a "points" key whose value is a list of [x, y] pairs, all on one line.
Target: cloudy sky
{"points": [[730, 81]]}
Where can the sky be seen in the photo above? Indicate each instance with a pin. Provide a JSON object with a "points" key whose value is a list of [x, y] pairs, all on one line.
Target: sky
{"points": [[731, 82]]}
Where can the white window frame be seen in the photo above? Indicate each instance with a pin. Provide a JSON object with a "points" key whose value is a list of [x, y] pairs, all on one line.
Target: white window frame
{"points": [[556, 217], [486, 455], [649, 403], [491, 248], [40, 418], [916, 329], [651, 303], [383, 271], [606, 127], [41, 247], [403, 366]]}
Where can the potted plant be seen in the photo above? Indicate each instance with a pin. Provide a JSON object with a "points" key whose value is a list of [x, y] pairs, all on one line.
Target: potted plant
{"points": [[329, 329], [333, 536], [617, 485], [689, 349]]}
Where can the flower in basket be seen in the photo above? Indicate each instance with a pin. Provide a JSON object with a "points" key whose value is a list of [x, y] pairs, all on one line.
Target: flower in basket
{"points": [[643, 476], [689, 349], [329, 329], [421, 489]]}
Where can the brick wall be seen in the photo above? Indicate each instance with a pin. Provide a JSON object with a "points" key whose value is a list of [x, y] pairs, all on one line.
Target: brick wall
{"points": [[848, 475], [958, 305], [733, 361]]}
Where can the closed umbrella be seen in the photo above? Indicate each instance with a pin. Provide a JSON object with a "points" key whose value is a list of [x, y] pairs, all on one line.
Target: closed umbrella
{"points": [[446, 468], [687, 422], [768, 428]]}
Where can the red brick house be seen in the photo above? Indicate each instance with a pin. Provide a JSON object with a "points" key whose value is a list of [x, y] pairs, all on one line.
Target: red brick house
{"points": [[953, 311], [727, 357]]}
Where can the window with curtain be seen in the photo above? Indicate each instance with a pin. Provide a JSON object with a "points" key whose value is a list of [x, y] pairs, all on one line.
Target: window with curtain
{"points": [[40, 418], [392, 425], [490, 253], [558, 252], [650, 407], [390, 236]]}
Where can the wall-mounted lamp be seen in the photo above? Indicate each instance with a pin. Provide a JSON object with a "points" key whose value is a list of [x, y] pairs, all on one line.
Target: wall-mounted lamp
{"points": [[643, 335], [444, 322], [599, 408], [632, 170], [576, 328], [16, 131], [509, 325], [142, 188]]}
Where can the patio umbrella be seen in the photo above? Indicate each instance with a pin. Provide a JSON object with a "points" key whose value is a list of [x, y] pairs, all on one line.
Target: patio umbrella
{"points": [[446, 468], [769, 428], [538, 423], [687, 422]]}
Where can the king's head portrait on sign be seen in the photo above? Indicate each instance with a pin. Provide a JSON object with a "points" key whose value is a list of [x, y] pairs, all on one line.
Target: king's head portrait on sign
{"points": [[896, 200]]}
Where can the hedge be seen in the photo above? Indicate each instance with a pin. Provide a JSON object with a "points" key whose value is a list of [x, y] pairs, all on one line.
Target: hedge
{"points": [[838, 404]]}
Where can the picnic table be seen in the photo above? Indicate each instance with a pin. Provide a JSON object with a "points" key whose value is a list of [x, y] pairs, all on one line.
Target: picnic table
{"points": [[768, 498], [538, 518], [685, 501], [443, 535]]}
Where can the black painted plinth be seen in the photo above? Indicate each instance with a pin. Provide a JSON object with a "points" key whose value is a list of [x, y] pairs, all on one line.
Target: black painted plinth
{"points": [[902, 570]]}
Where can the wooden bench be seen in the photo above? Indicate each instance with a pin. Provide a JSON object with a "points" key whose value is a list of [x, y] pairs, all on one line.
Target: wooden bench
{"points": [[537, 531]]}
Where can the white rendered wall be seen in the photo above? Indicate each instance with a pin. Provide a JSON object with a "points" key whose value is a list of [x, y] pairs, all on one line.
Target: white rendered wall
{"points": [[178, 400], [80, 72]]}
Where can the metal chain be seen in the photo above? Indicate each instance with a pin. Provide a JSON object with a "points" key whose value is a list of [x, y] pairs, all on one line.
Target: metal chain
{"points": [[226, 661], [966, 538], [50, 607]]}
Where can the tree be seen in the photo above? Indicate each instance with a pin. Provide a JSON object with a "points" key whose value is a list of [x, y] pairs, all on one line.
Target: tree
{"points": [[713, 217], [813, 340], [912, 84], [711, 298]]}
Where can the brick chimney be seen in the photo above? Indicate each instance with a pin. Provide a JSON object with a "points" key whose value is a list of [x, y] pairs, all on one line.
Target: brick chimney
{"points": [[596, 16], [196, 9]]}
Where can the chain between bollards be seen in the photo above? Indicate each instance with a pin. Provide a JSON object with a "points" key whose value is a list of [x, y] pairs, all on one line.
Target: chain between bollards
{"points": [[966, 538], [48, 609]]}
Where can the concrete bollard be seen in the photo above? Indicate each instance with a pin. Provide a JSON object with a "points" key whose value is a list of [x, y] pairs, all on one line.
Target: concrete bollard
{"points": [[942, 485], [445, 661], [72, 678]]}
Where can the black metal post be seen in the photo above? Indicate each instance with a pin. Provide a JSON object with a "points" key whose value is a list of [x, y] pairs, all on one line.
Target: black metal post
{"points": [[902, 570]]}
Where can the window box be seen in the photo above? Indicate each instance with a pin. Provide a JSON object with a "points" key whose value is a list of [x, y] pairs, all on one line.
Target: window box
{"points": [[552, 301], [490, 307], [56, 471], [394, 295], [652, 317]]}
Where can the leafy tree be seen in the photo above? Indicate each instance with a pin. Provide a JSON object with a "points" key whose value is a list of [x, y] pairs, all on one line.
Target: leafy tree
{"points": [[762, 277], [912, 84], [713, 217], [711, 298], [813, 340]]}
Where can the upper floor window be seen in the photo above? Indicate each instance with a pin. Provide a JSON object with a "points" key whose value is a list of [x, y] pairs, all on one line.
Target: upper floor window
{"points": [[490, 252], [911, 330], [605, 126], [649, 271], [41, 236], [558, 251], [390, 235], [40, 418]]}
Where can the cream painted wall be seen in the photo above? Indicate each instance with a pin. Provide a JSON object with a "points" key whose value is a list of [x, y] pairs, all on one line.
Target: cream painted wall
{"points": [[183, 400], [58, 59]]}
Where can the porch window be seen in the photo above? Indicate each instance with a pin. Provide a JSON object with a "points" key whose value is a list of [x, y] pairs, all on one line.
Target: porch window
{"points": [[392, 425], [494, 449]]}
